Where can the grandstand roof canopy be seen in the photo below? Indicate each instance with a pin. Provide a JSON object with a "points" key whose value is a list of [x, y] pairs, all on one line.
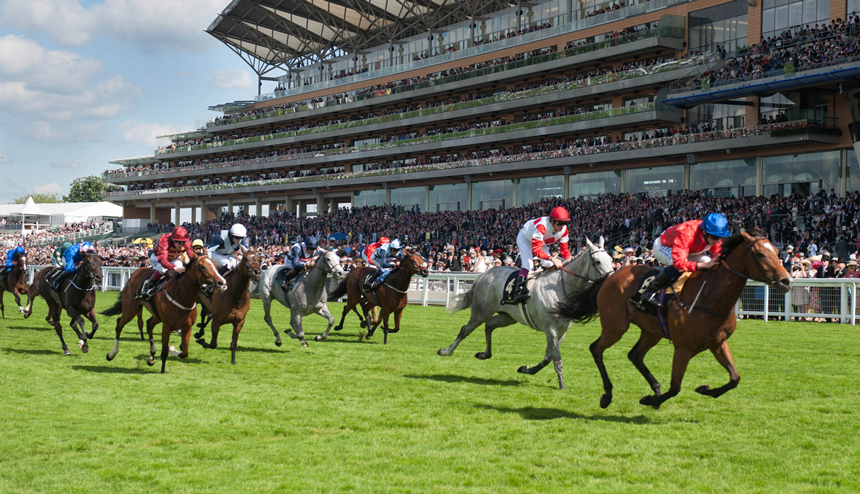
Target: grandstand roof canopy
{"points": [[271, 34], [63, 212]]}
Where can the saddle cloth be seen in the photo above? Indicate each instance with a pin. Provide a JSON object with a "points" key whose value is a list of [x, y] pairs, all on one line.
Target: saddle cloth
{"points": [[280, 275], [665, 295], [510, 282], [370, 276]]}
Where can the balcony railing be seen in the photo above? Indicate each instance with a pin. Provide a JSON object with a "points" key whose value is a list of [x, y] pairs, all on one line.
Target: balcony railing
{"points": [[674, 140]]}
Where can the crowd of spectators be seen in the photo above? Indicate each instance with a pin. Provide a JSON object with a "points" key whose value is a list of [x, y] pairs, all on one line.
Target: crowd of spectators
{"points": [[14, 237]]}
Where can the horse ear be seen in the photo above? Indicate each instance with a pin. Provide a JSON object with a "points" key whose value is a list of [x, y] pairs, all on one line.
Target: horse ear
{"points": [[589, 243], [600, 243]]}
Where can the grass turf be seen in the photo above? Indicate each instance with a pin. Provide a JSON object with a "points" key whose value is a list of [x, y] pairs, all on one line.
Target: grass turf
{"points": [[350, 416]]}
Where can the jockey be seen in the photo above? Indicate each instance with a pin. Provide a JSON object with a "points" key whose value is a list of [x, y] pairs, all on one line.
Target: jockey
{"points": [[225, 244], [386, 257], [534, 240], [198, 247], [299, 256], [368, 251], [11, 255], [71, 257], [685, 248], [167, 257], [57, 256]]}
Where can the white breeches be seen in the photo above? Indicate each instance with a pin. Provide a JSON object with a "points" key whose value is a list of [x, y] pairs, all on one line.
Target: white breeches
{"points": [[229, 262], [663, 254], [153, 261], [526, 256]]}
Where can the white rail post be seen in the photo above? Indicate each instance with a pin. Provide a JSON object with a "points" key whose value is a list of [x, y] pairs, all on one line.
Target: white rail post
{"points": [[766, 301], [787, 305], [843, 303], [426, 285]]}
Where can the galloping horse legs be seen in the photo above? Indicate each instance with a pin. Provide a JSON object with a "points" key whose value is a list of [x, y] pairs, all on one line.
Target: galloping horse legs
{"points": [[77, 320], [476, 319], [237, 328], [637, 356], [2, 307], [608, 337], [150, 327], [296, 324], [499, 320], [91, 315], [213, 341], [724, 356], [680, 360], [553, 353], [267, 311], [324, 312]]}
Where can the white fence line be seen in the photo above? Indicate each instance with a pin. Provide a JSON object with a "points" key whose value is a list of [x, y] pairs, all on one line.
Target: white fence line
{"points": [[810, 298]]}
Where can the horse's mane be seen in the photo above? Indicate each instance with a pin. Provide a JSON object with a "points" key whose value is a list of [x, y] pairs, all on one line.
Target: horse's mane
{"points": [[730, 244]]}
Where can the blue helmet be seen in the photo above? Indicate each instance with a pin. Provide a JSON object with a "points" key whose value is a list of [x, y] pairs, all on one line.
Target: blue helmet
{"points": [[716, 225], [311, 242]]}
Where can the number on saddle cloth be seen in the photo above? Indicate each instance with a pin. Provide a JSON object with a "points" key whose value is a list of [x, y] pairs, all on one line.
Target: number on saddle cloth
{"points": [[511, 283]]}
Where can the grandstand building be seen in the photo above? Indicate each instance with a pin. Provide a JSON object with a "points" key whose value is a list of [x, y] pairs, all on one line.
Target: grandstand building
{"points": [[456, 105]]}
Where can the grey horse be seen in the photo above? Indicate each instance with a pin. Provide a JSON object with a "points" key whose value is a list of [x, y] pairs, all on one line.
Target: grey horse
{"points": [[307, 296], [538, 312]]}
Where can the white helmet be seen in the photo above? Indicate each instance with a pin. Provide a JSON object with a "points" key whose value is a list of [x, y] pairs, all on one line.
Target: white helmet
{"points": [[238, 231], [394, 245]]}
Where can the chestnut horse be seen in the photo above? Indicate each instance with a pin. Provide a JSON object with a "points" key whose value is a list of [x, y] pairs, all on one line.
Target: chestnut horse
{"points": [[390, 295], [15, 281], [174, 306], [231, 306], [700, 318], [77, 294]]}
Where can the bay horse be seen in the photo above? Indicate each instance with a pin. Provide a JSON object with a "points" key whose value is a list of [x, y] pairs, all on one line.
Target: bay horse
{"points": [[231, 306], [537, 312], [15, 281], [700, 318], [306, 297], [174, 306], [390, 295], [76, 294]]}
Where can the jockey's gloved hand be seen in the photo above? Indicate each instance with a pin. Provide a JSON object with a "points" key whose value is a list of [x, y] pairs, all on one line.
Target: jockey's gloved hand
{"points": [[546, 263]]}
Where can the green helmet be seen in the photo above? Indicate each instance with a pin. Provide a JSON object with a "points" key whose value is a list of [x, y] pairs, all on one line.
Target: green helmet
{"points": [[66, 245]]}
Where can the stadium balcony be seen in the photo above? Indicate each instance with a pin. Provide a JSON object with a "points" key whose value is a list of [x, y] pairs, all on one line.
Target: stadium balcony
{"points": [[784, 135]]}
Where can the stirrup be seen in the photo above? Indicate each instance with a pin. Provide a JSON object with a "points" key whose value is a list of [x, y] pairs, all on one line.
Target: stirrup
{"points": [[652, 298]]}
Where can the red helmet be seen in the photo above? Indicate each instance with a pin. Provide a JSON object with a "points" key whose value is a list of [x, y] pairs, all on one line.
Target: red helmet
{"points": [[179, 234], [384, 240], [559, 214]]}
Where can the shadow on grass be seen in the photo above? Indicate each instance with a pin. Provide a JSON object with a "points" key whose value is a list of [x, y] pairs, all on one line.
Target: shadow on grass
{"points": [[344, 338], [447, 378], [106, 369], [532, 413], [43, 327], [240, 348], [33, 352]]}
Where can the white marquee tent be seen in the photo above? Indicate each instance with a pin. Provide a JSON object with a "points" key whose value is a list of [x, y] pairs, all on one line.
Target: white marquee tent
{"points": [[46, 215]]}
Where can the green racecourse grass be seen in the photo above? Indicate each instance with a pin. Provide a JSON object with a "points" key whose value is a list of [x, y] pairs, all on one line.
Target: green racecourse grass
{"points": [[344, 416]]}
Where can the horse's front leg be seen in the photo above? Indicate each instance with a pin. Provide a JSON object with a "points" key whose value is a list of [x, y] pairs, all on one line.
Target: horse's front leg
{"points": [[150, 329], [213, 342], [21, 310], [383, 317], [324, 312], [237, 328], [552, 355], [267, 308], [82, 335], [2, 307], [91, 315], [679, 367], [296, 324], [724, 356], [397, 315]]}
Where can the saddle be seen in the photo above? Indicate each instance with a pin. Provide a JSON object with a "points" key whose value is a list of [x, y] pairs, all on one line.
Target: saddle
{"points": [[282, 274], [378, 275], [510, 282], [665, 296]]}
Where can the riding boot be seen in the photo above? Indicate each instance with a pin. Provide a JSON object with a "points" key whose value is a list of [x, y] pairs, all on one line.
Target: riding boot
{"points": [[377, 280], [372, 281], [149, 287], [289, 276], [57, 280], [663, 279], [521, 291]]}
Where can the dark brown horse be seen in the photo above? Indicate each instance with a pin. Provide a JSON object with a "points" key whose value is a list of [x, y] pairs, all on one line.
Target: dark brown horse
{"points": [[15, 281], [701, 317], [174, 306], [390, 295], [231, 306], [76, 294]]}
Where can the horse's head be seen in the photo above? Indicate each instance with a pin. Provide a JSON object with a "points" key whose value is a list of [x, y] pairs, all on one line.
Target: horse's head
{"points": [[761, 262], [21, 262], [92, 267], [204, 271], [251, 264], [601, 261], [329, 261], [414, 263]]}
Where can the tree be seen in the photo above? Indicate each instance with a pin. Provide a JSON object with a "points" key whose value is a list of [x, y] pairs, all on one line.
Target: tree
{"points": [[45, 198], [86, 189]]}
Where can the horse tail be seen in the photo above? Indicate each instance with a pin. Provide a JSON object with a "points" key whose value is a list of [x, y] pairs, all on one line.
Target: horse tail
{"points": [[338, 292], [462, 301], [114, 310], [581, 306]]}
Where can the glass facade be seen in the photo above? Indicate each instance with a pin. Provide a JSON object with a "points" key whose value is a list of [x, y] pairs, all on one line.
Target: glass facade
{"points": [[450, 197], [589, 184], [408, 197], [853, 7], [800, 173], [655, 181], [722, 178], [536, 188], [723, 25], [492, 194], [779, 15], [853, 179], [361, 198]]}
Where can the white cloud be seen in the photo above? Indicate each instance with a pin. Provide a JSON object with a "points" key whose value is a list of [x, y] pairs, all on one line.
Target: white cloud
{"points": [[151, 25], [7, 157], [70, 165], [52, 188], [227, 79], [24, 60], [145, 132]]}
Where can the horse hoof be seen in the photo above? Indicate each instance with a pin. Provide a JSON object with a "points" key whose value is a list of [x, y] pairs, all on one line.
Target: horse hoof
{"points": [[108, 357], [523, 369], [85, 349], [650, 401], [318, 337], [338, 328], [202, 342], [150, 361], [278, 342], [481, 356], [363, 324], [198, 335], [26, 316], [704, 390], [605, 401], [304, 343], [67, 352], [439, 352]]}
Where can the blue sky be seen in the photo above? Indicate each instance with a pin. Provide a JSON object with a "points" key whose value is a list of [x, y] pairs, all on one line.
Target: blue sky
{"points": [[84, 82]]}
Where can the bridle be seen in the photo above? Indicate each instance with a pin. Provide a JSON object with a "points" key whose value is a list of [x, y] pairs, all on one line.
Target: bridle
{"points": [[765, 278], [594, 265]]}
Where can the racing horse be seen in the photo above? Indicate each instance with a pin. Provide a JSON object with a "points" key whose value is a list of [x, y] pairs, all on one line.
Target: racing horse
{"points": [[700, 318], [390, 295], [76, 294], [550, 287], [15, 281], [231, 306], [307, 295], [174, 305]]}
